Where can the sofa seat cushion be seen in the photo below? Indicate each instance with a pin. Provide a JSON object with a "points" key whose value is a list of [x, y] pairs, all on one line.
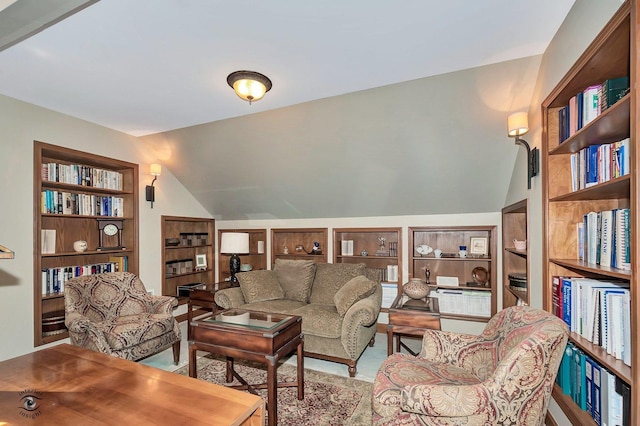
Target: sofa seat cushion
{"points": [[355, 289], [330, 277], [281, 306], [131, 330], [295, 278], [320, 320], [258, 286]]}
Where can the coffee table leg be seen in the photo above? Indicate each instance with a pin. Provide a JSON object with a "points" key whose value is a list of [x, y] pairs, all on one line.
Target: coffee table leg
{"points": [[193, 370], [229, 369], [272, 389], [300, 362]]}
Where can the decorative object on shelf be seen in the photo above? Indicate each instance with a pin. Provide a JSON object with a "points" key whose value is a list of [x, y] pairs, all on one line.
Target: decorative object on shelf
{"points": [[249, 85], [260, 247], [285, 250], [299, 247], [424, 250], [234, 243], [315, 250], [479, 246], [437, 253], [427, 274], [463, 251], [518, 125], [480, 276], [109, 228], [520, 244], [171, 242], [80, 246], [416, 288], [364, 252], [201, 262], [154, 170], [246, 267], [518, 280]]}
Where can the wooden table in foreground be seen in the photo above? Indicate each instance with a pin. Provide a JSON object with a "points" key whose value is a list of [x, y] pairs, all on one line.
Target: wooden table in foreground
{"points": [[68, 385], [411, 317], [253, 336]]}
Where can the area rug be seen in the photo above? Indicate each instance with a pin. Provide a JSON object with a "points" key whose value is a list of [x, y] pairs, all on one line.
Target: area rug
{"points": [[328, 399]]}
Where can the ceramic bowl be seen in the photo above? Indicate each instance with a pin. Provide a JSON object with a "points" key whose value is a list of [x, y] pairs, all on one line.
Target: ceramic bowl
{"points": [[245, 267], [520, 244], [171, 242], [416, 288]]}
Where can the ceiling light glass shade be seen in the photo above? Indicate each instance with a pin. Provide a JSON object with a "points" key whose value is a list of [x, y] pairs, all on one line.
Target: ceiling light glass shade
{"points": [[249, 85], [518, 124], [234, 243]]}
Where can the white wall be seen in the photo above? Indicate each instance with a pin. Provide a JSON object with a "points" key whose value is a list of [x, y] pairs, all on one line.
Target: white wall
{"points": [[21, 124]]}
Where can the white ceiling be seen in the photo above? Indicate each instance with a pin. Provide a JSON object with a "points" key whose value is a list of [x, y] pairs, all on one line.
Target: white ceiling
{"points": [[147, 66]]}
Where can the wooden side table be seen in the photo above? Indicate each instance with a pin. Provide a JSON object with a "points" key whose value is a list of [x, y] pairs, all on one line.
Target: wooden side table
{"points": [[203, 298], [411, 317]]}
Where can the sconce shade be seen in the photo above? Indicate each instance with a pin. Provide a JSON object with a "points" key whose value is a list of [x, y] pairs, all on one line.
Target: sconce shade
{"points": [[155, 169], [234, 243], [249, 85], [518, 124]]}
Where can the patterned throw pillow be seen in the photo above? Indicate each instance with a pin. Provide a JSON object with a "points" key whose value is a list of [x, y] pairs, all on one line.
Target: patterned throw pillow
{"points": [[355, 289], [259, 286], [296, 278]]}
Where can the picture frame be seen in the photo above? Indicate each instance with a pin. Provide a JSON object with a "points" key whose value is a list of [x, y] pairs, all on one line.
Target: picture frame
{"points": [[201, 262], [479, 246]]}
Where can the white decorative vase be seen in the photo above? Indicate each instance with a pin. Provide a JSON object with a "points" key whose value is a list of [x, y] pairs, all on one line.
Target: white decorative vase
{"points": [[80, 246]]}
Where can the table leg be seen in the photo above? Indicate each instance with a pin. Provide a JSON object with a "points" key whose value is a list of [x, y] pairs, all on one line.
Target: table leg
{"points": [[300, 362], [272, 395], [389, 341], [193, 370], [229, 369], [398, 348], [189, 318]]}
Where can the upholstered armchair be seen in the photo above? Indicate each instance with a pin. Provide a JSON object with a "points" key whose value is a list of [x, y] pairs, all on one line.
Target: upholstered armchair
{"points": [[503, 376], [112, 313]]}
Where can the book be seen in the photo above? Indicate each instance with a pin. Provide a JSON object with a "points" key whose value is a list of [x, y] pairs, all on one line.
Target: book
{"points": [[606, 236], [48, 241], [590, 104], [596, 391]]}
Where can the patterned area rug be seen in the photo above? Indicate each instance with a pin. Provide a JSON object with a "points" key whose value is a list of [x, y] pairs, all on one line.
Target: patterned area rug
{"points": [[328, 399]]}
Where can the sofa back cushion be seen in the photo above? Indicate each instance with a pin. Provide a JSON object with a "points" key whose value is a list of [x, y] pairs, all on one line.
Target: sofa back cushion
{"points": [[355, 289], [330, 277], [258, 286], [296, 278]]}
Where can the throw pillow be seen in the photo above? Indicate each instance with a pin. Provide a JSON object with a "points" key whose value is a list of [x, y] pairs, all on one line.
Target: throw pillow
{"points": [[330, 277], [355, 289], [296, 278], [260, 286]]}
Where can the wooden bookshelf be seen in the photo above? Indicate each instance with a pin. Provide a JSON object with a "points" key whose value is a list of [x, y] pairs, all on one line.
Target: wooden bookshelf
{"points": [[298, 242], [514, 261], [70, 227]]}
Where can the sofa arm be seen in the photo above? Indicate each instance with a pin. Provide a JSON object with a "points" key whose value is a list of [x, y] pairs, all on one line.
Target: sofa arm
{"points": [[445, 400], [361, 315], [229, 298], [163, 304]]}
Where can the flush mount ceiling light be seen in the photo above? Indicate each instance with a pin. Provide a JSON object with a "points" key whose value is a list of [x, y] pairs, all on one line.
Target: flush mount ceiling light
{"points": [[249, 85]]}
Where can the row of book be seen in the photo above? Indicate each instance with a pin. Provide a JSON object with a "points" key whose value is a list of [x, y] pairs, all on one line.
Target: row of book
{"points": [[604, 238], [599, 311], [599, 163], [54, 279], [70, 203], [388, 274], [77, 174], [593, 388], [464, 302], [588, 104]]}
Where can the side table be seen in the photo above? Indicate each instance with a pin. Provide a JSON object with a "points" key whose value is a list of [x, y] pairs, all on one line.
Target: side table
{"points": [[203, 298], [411, 317]]}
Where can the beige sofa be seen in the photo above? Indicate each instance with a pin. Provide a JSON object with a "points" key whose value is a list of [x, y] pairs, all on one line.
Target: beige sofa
{"points": [[339, 304]]}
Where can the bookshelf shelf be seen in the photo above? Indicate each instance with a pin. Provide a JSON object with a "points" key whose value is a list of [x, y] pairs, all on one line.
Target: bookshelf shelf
{"points": [[293, 237], [514, 227], [609, 56]]}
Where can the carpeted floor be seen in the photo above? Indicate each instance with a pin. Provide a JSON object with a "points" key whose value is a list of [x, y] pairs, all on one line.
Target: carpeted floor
{"points": [[329, 399]]}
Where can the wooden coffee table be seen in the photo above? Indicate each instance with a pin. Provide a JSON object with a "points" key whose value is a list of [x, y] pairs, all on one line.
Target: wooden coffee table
{"points": [[253, 336], [411, 318], [66, 384]]}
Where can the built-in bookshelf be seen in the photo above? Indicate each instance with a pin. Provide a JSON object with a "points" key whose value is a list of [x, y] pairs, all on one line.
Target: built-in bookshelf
{"points": [[76, 196], [515, 260], [298, 243], [571, 199], [257, 256], [465, 285]]}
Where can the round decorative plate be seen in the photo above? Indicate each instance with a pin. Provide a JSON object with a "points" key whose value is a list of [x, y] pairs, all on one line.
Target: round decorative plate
{"points": [[480, 275]]}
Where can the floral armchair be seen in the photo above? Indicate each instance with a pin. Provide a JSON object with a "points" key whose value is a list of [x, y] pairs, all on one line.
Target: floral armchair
{"points": [[113, 314], [503, 376]]}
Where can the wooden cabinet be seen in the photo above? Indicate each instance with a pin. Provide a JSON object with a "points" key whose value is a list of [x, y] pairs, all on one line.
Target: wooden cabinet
{"points": [[378, 248], [72, 190], [474, 296], [297, 243], [515, 259], [612, 54], [257, 256], [189, 258]]}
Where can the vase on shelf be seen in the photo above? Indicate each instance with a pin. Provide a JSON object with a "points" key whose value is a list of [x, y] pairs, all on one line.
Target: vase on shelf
{"points": [[416, 288]]}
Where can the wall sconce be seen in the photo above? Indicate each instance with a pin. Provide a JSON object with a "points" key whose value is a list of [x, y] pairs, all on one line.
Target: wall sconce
{"points": [[249, 85], [518, 125], [234, 243], [154, 170]]}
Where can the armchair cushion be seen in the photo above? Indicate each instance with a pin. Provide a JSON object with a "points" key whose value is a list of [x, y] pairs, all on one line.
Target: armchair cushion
{"points": [[258, 286], [295, 278], [330, 278], [129, 330], [355, 289]]}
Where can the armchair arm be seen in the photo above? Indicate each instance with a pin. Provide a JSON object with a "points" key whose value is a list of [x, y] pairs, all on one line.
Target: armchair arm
{"points": [[86, 333], [445, 400], [229, 298], [163, 304]]}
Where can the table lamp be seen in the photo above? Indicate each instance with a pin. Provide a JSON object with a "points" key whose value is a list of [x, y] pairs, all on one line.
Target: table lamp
{"points": [[234, 243]]}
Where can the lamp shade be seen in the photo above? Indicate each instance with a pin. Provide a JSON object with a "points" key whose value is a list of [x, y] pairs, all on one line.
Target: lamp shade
{"points": [[518, 124], [155, 169], [234, 243], [249, 85]]}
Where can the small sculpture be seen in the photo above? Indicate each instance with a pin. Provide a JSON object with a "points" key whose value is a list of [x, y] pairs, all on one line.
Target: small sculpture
{"points": [[382, 240], [285, 250], [315, 250]]}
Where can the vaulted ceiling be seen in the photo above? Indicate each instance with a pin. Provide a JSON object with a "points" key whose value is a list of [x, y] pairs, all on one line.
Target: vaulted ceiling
{"points": [[358, 122]]}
